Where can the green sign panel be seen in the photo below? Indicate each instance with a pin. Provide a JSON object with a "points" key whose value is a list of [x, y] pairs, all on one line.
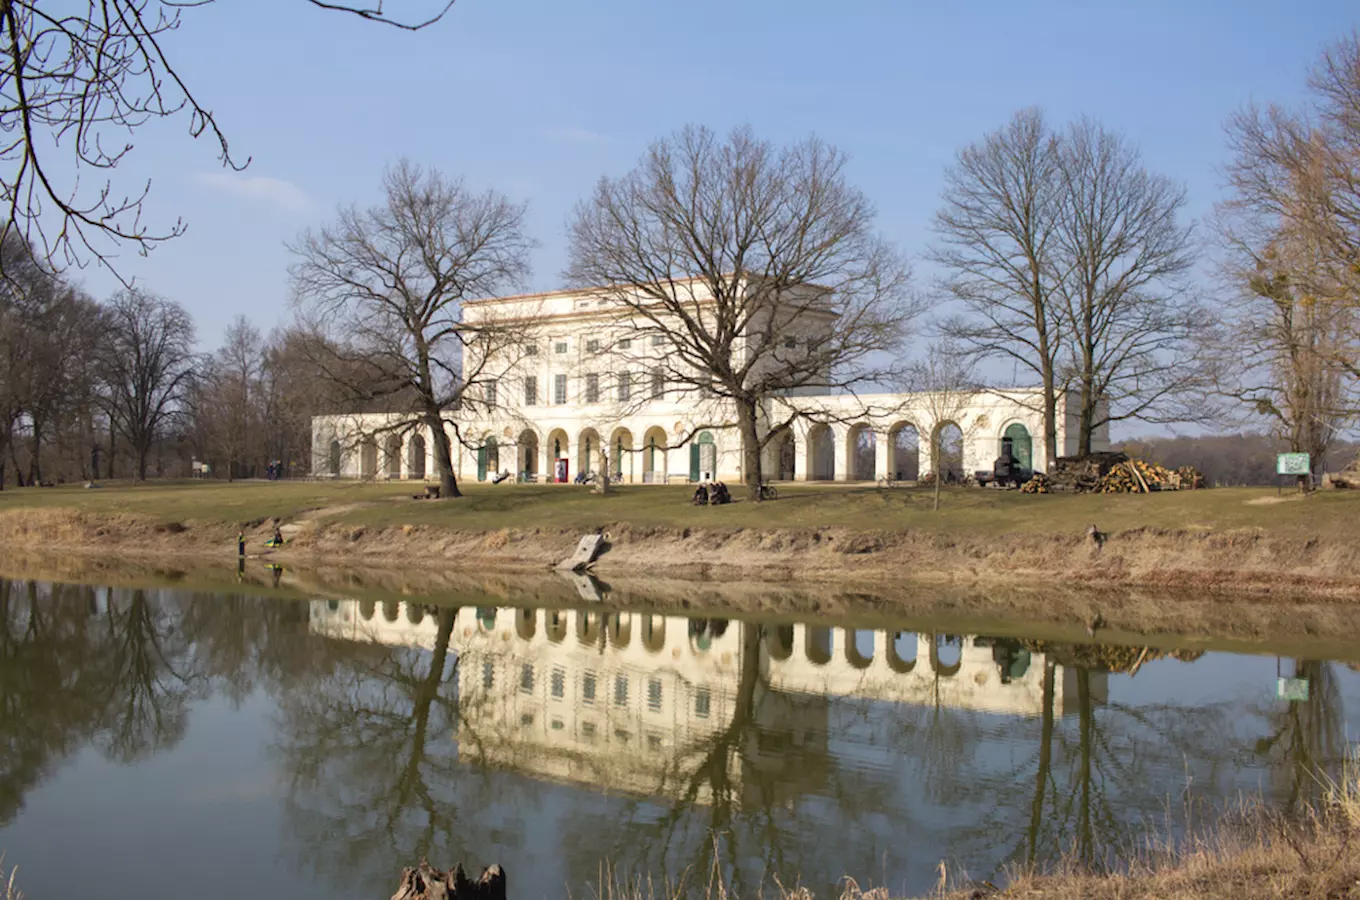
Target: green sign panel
{"points": [[1292, 464], [1295, 689]]}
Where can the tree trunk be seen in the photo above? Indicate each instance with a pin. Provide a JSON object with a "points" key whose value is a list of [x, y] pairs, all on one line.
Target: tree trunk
{"points": [[936, 461], [1045, 762], [750, 449], [443, 458], [142, 453], [1050, 418], [1088, 416], [113, 444], [35, 464]]}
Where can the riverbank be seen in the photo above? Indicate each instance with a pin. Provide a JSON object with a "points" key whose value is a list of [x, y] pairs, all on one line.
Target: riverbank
{"points": [[1228, 542]]}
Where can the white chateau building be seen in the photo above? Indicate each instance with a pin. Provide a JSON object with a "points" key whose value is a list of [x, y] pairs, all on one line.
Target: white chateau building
{"points": [[584, 385]]}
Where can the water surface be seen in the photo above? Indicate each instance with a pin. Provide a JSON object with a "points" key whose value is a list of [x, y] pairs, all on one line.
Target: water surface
{"points": [[253, 746]]}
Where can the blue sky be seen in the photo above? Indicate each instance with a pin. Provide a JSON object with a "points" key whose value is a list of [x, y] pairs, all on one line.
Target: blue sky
{"points": [[539, 98]]}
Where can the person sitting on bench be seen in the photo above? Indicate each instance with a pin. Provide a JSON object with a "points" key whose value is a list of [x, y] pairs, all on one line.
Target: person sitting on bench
{"points": [[501, 477]]}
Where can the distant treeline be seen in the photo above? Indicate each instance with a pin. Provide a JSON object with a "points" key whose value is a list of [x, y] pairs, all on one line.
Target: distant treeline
{"points": [[1229, 459]]}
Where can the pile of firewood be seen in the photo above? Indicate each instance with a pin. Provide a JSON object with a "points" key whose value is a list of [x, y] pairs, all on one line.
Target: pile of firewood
{"points": [[1111, 473], [1138, 477]]}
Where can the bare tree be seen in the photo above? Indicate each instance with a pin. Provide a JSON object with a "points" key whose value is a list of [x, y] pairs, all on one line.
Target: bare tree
{"points": [[946, 387], [387, 286], [999, 242], [226, 405], [147, 362], [77, 80], [743, 272], [1125, 256]]}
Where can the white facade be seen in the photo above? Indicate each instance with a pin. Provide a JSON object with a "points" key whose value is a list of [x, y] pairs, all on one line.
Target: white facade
{"points": [[584, 389]]}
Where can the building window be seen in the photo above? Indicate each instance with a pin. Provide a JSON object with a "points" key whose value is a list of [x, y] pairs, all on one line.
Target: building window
{"points": [[791, 343], [559, 389], [625, 386], [654, 695], [658, 384], [588, 731], [592, 387], [531, 350], [526, 679], [622, 736], [620, 690], [488, 675], [701, 703], [490, 388], [558, 725], [560, 347], [588, 688], [593, 346], [559, 683], [653, 742], [530, 390], [526, 719], [625, 343], [658, 340]]}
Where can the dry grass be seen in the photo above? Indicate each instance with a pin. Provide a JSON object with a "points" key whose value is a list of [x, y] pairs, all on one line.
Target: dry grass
{"points": [[9, 889]]}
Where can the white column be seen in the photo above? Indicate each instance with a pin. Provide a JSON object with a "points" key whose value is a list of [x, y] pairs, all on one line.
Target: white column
{"points": [[841, 441], [800, 466], [882, 455]]}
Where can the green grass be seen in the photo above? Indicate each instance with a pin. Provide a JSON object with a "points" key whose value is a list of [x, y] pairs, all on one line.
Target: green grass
{"points": [[967, 511]]}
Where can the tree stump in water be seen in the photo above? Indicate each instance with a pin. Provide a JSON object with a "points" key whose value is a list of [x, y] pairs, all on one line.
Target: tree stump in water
{"points": [[425, 882]]}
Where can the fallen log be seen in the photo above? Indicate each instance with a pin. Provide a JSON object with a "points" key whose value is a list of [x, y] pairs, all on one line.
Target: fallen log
{"points": [[425, 882]]}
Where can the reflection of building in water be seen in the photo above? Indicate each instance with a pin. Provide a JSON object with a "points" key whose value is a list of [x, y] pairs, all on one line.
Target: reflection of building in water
{"points": [[647, 703]]}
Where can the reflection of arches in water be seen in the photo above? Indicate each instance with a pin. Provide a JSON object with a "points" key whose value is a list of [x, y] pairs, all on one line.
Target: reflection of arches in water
{"points": [[557, 626], [414, 613], [486, 617], [703, 631], [526, 623], [367, 608], [820, 644], [779, 641], [939, 660], [654, 633], [391, 610], [859, 647], [588, 628], [901, 651], [620, 629]]}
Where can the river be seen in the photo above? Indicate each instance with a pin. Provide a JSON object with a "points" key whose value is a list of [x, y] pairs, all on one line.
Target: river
{"points": [[165, 742]]}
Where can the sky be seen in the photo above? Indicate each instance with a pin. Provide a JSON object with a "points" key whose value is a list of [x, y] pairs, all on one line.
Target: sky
{"points": [[540, 98]]}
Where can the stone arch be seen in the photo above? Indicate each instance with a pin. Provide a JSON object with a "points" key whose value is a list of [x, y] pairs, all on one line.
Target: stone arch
{"points": [[785, 455], [391, 610], [703, 631], [619, 627], [392, 455], [1021, 445], [415, 452], [654, 452], [588, 450], [821, 453], [367, 608], [947, 450], [861, 453], [415, 613], [526, 453], [333, 458], [526, 623], [779, 642], [556, 625], [904, 445], [896, 651], [486, 618], [368, 457], [703, 457], [621, 454], [937, 663], [819, 644], [557, 446], [654, 633], [488, 458], [857, 656]]}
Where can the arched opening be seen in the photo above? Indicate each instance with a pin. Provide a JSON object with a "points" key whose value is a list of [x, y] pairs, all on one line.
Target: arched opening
{"points": [[415, 613], [905, 443], [333, 459], [702, 633], [558, 447], [859, 647], [391, 610], [620, 629], [703, 458], [528, 455], [557, 626], [949, 452], [861, 453], [654, 456], [587, 628], [367, 608], [392, 454], [901, 651], [779, 642], [786, 451], [820, 644], [416, 451], [368, 458], [821, 454], [488, 458], [486, 618], [588, 459], [526, 623], [1021, 445], [654, 633], [946, 654], [621, 457]]}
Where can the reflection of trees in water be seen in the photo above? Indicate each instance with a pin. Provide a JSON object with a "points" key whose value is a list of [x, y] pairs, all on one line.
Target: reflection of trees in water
{"points": [[1305, 740]]}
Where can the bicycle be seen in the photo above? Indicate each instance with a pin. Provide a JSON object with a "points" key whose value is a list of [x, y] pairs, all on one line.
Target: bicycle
{"points": [[768, 492], [887, 481]]}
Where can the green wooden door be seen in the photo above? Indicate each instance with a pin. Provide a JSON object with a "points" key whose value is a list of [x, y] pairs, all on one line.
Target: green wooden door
{"points": [[481, 463], [693, 462], [1022, 447]]}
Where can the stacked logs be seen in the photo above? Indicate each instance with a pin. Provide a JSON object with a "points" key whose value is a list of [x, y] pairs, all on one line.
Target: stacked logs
{"points": [[1111, 473]]}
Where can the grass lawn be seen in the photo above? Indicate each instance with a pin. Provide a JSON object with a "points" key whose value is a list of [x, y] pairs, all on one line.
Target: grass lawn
{"points": [[970, 511]]}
